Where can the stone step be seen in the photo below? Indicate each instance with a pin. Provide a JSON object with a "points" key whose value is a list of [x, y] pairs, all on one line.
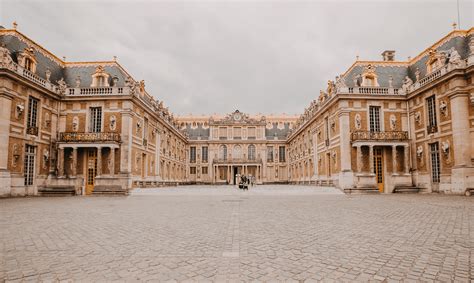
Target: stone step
{"points": [[109, 190], [56, 191], [406, 190], [362, 190]]}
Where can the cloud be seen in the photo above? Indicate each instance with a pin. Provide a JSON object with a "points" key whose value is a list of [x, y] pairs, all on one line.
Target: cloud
{"points": [[206, 57]]}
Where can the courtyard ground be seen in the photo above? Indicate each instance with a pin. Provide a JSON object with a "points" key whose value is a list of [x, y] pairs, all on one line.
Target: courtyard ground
{"points": [[200, 233]]}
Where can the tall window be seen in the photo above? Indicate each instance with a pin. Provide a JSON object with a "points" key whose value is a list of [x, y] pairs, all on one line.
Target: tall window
{"points": [[374, 115], [281, 156], [251, 134], [431, 105], [237, 154], [32, 120], [192, 154], [95, 120], [192, 170], [251, 152], [205, 151], [204, 170], [237, 133], [28, 64], [145, 128], [222, 133], [435, 169], [326, 125], [223, 152], [269, 153], [29, 165]]}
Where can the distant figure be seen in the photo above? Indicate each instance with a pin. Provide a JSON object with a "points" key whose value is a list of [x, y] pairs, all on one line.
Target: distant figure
{"points": [[244, 183]]}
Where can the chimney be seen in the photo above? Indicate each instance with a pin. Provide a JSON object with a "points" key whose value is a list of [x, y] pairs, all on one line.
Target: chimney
{"points": [[388, 55]]}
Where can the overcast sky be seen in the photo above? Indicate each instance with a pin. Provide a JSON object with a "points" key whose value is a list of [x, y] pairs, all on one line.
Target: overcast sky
{"points": [[205, 57]]}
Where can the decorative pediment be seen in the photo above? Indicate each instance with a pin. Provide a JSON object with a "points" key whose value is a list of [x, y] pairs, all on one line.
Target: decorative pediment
{"points": [[369, 76], [238, 118], [100, 78]]}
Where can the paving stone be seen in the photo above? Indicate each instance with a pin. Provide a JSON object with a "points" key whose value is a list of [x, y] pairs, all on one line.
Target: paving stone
{"points": [[269, 234]]}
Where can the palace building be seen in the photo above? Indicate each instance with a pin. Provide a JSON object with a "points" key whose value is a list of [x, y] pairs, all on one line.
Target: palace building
{"points": [[381, 126]]}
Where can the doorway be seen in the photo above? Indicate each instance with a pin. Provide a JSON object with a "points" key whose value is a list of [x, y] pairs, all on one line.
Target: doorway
{"points": [[378, 168], [91, 170]]}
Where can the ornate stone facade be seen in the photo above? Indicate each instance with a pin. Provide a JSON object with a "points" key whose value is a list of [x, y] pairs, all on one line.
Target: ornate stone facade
{"points": [[378, 126]]}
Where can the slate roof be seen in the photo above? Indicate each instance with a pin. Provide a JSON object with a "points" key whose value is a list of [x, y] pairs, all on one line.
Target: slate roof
{"points": [[281, 134]]}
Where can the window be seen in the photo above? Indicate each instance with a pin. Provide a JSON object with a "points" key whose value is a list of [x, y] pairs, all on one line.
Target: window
{"points": [[237, 133], [251, 133], [29, 165], [204, 170], [269, 153], [192, 154], [435, 169], [237, 154], [282, 157], [145, 128], [432, 124], [326, 125], [205, 150], [223, 152], [223, 133], [192, 170], [374, 113], [95, 119], [31, 123], [251, 152], [28, 64]]}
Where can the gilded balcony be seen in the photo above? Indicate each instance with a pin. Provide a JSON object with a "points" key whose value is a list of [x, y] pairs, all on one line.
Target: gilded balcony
{"points": [[379, 136], [75, 137]]}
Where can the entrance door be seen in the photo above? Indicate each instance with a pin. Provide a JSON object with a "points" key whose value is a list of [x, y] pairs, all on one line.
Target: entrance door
{"points": [[378, 167], [435, 169], [91, 170]]}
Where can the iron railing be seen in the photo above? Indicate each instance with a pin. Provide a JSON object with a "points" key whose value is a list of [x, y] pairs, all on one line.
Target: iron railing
{"points": [[379, 136], [89, 137]]}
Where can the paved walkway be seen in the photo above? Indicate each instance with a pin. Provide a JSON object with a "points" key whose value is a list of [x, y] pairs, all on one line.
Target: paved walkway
{"points": [[222, 234]]}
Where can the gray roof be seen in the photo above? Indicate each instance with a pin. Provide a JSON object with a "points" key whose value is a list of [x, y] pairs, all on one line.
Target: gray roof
{"points": [[197, 133], [281, 134]]}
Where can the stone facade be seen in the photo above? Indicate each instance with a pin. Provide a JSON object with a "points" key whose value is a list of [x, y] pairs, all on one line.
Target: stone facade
{"points": [[379, 126]]}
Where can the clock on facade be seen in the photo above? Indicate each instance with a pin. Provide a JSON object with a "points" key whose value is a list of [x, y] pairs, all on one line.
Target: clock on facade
{"points": [[237, 116]]}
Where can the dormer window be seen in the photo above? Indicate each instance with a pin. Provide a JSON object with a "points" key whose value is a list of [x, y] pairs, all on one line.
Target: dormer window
{"points": [[435, 60], [27, 59], [369, 76], [100, 78]]}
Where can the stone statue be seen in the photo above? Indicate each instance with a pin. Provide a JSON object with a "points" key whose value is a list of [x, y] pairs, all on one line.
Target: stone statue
{"points": [[5, 58], [331, 88], [417, 74], [340, 82], [418, 117], [471, 45], [454, 57], [113, 123], [78, 82], [48, 74], [407, 83], [445, 147], [358, 121], [443, 108], [393, 122], [390, 82], [62, 86], [419, 151], [130, 84], [75, 124]]}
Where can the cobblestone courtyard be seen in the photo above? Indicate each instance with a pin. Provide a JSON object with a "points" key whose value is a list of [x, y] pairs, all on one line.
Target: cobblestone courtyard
{"points": [[219, 233]]}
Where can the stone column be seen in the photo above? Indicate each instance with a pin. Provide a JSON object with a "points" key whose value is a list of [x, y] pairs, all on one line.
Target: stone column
{"points": [[61, 162], [126, 146], [345, 144], [112, 161], [359, 159], [5, 112], [406, 157], [460, 122], [74, 162], [394, 159], [99, 161], [371, 159]]}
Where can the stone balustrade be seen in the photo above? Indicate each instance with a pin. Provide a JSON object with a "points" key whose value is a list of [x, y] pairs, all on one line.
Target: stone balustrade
{"points": [[86, 91]]}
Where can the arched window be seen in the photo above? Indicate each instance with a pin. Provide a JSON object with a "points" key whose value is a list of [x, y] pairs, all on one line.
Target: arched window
{"points": [[251, 152], [223, 152], [237, 154]]}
